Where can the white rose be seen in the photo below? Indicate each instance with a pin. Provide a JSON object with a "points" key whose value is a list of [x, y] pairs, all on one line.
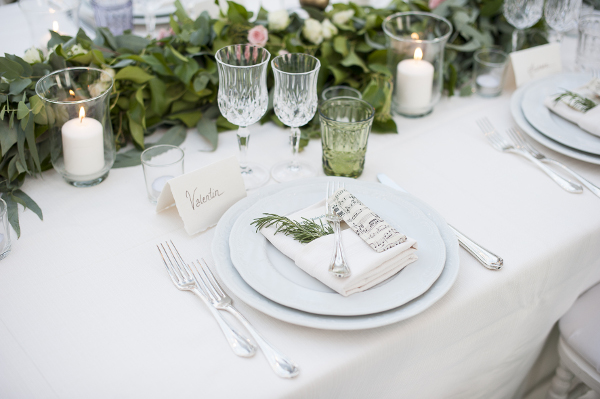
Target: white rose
{"points": [[329, 29], [109, 71], [278, 20], [342, 17], [98, 88], [77, 49], [313, 31], [32, 56]]}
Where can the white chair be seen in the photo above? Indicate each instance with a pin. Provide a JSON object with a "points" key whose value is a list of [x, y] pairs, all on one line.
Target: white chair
{"points": [[579, 348]]}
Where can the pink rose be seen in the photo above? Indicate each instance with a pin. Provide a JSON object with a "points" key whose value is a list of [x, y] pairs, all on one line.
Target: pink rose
{"points": [[163, 33], [258, 36], [434, 3]]}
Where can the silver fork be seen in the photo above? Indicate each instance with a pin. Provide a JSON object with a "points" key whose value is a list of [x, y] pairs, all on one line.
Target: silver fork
{"points": [[183, 279], [281, 365], [337, 265], [522, 143], [502, 144]]}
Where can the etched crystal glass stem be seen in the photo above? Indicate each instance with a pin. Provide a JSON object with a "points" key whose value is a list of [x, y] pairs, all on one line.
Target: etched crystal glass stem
{"points": [[243, 98], [562, 15], [295, 102], [521, 14]]}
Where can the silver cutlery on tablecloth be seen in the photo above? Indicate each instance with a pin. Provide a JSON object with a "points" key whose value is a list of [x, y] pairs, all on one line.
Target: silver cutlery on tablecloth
{"points": [[522, 143], [485, 257], [281, 365], [337, 265], [183, 278], [501, 143]]}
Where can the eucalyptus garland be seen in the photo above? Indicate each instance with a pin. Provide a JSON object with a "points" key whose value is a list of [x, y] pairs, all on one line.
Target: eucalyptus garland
{"points": [[172, 81]]}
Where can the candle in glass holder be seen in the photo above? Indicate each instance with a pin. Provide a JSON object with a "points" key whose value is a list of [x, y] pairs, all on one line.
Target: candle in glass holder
{"points": [[414, 80], [83, 145]]}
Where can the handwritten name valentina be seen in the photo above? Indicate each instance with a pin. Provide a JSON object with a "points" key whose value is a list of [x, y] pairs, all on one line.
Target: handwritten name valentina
{"points": [[202, 199]]}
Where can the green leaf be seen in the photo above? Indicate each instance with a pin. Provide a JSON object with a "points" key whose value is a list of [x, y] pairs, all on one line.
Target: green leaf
{"points": [[340, 44], [177, 54], [133, 73], [208, 129], [13, 213], [388, 126], [12, 70], [174, 136], [36, 104], [315, 13], [22, 110], [190, 118], [8, 137], [237, 13], [17, 86], [27, 69], [354, 60], [159, 103], [30, 136], [28, 203], [133, 43]]}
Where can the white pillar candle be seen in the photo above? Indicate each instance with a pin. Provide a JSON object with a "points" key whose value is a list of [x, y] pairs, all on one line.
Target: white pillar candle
{"points": [[414, 81], [83, 145], [159, 183]]}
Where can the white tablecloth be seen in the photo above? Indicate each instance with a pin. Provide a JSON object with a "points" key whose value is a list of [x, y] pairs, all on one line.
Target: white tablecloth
{"points": [[87, 309]]}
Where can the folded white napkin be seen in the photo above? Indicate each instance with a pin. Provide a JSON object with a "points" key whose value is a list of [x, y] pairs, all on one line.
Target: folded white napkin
{"points": [[588, 121], [368, 267]]}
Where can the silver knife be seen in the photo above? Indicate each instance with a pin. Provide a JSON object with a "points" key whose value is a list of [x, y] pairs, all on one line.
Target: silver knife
{"points": [[485, 257]]}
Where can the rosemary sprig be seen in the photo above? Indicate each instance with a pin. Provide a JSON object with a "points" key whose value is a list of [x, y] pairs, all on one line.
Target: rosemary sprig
{"points": [[305, 231], [576, 101]]}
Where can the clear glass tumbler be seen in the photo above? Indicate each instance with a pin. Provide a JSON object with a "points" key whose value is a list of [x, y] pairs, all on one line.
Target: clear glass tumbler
{"points": [[77, 103], [588, 46], [161, 163], [340, 91], [243, 98], [489, 70], [416, 42], [43, 16], [4, 231], [295, 102], [116, 15], [345, 127]]}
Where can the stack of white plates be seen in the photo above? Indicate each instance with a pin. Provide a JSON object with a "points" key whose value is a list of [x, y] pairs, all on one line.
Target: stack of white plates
{"points": [[260, 275], [547, 128]]}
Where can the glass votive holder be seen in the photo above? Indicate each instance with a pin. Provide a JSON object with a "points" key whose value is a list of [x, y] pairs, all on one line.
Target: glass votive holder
{"points": [[489, 70], [415, 42], [43, 16], [340, 91], [588, 45], [4, 231], [77, 103], [161, 163], [116, 15], [345, 127]]}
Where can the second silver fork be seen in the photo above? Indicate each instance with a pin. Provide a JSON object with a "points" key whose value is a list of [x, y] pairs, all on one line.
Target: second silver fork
{"points": [[337, 265]]}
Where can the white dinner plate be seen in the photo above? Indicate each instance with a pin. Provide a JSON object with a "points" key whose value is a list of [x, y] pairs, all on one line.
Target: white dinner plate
{"points": [[549, 123], [517, 114], [277, 277], [235, 283]]}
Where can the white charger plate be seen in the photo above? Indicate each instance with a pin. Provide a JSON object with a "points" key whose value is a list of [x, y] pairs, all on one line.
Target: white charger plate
{"points": [[517, 114], [549, 123], [235, 283], [276, 276]]}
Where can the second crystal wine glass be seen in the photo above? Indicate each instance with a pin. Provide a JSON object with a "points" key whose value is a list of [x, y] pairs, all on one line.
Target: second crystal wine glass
{"points": [[522, 14], [243, 98], [562, 15], [295, 102]]}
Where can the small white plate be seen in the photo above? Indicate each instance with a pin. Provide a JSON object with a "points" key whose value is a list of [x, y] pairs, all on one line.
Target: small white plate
{"points": [[549, 123], [235, 284], [517, 114], [277, 277]]}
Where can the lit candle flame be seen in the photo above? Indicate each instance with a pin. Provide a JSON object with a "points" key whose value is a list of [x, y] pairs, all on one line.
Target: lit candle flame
{"points": [[55, 26], [81, 114], [418, 54], [71, 92], [414, 36]]}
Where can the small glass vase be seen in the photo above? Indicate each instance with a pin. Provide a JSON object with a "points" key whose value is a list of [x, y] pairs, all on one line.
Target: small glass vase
{"points": [[77, 102], [416, 42]]}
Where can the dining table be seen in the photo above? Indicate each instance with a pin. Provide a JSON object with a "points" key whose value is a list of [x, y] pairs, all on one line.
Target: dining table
{"points": [[87, 309]]}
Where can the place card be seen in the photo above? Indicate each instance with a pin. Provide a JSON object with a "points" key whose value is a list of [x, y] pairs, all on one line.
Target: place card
{"points": [[203, 196], [536, 62]]}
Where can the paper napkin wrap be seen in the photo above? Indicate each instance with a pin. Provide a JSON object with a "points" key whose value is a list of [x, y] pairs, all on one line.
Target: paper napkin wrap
{"points": [[588, 121], [368, 266]]}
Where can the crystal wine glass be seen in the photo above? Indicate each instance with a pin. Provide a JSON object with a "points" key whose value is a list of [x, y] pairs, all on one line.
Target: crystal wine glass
{"points": [[295, 102], [562, 15], [243, 98], [522, 14]]}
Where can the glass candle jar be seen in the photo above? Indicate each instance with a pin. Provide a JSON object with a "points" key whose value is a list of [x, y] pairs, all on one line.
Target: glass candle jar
{"points": [[489, 69], [78, 111], [43, 16], [415, 42]]}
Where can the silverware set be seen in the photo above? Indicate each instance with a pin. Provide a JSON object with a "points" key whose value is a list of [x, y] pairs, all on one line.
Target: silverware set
{"points": [[337, 265], [198, 279], [516, 143]]}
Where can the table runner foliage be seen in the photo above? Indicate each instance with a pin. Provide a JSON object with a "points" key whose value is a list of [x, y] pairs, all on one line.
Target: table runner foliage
{"points": [[172, 82]]}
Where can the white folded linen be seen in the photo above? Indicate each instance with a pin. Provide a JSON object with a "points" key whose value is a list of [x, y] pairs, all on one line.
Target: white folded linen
{"points": [[588, 121], [368, 267]]}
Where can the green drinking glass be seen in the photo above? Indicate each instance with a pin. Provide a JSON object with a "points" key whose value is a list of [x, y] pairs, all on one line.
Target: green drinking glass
{"points": [[345, 126]]}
